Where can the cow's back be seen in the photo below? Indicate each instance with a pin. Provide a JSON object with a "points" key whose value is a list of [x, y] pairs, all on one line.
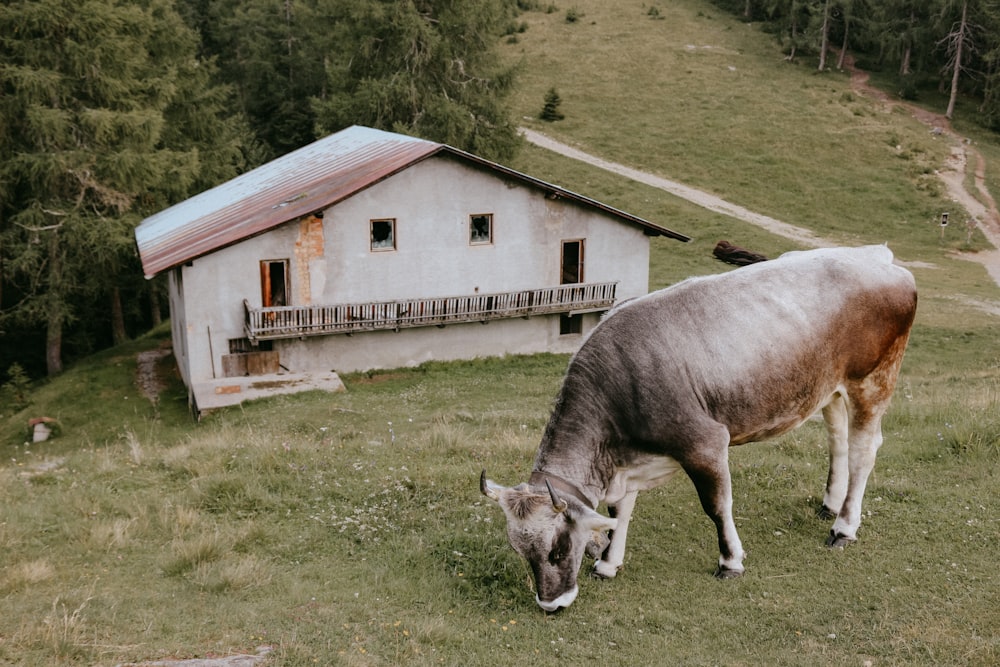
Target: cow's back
{"points": [[757, 349]]}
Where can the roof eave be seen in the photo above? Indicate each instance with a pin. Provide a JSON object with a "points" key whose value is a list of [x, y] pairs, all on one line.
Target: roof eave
{"points": [[259, 212]]}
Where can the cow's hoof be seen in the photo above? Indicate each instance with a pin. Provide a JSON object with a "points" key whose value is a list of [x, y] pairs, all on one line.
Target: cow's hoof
{"points": [[604, 570], [726, 573], [838, 540], [826, 513]]}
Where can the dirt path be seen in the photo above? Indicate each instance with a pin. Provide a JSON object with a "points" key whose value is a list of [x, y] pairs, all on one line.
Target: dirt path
{"points": [[693, 195], [952, 173], [148, 377], [982, 210]]}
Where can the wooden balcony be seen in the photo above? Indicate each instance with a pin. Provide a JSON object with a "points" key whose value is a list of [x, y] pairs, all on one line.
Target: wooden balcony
{"points": [[301, 321]]}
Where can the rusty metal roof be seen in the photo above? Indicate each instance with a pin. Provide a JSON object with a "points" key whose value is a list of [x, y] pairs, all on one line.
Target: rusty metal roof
{"points": [[302, 182]]}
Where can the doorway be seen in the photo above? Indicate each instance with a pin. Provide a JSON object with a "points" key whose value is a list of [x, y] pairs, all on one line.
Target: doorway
{"points": [[274, 282], [571, 273], [572, 262]]}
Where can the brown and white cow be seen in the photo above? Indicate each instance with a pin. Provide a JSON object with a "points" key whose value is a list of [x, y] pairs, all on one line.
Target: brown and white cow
{"points": [[671, 380]]}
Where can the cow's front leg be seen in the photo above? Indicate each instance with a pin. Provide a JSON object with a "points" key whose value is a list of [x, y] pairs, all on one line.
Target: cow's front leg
{"points": [[614, 555], [709, 470]]}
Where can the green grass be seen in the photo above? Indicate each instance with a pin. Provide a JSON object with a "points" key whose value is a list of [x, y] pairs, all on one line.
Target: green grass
{"points": [[707, 99], [348, 529], [771, 136]]}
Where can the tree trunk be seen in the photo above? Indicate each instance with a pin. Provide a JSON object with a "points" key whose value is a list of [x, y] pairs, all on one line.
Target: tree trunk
{"points": [[904, 67], [56, 308], [746, 10], [118, 334], [1, 265], [154, 306], [843, 47], [824, 36], [795, 35], [957, 69]]}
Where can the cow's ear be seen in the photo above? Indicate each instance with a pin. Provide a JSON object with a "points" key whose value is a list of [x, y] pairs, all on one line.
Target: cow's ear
{"points": [[595, 521]]}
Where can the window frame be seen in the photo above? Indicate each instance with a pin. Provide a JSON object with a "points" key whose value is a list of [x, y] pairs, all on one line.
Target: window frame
{"points": [[472, 229], [392, 235], [570, 325], [267, 285], [578, 273]]}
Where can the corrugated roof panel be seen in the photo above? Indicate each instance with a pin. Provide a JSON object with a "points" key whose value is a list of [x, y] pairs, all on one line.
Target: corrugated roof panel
{"points": [[299, 183], [304, 181]]}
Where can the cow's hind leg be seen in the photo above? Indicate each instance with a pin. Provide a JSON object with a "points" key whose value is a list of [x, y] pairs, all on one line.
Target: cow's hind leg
{"points": [[707, 465], [614, 555], [835, 415], [863, 444]]}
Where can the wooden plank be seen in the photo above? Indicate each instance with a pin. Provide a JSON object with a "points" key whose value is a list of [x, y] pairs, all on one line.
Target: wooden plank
{"points": [[234, 365], [262, 363]]}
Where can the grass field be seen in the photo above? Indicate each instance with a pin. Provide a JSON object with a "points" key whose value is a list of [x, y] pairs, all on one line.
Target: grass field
{"points": [[348, 529]]}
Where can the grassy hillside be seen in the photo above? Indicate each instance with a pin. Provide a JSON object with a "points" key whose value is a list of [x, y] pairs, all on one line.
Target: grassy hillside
{"points": [[700, 97], [348, 529]]}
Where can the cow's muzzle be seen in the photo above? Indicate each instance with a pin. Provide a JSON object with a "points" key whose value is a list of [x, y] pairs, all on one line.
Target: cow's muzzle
{"points": [[564, 600]]}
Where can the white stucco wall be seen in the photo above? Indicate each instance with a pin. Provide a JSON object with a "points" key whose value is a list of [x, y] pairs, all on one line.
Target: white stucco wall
{"points": [[432, 202], [332, 262], [411, 347], [178, 324]]}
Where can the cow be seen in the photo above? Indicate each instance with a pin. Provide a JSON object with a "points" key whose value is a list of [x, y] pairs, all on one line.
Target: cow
{"points": [[670, 380]]}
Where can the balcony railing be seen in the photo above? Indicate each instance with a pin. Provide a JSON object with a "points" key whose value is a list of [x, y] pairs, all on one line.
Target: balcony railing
{"points": [[299, 321]]}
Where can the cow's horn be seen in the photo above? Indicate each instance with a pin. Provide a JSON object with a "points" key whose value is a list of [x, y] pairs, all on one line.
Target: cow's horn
{"points": [[558, 504], [485, 488]]}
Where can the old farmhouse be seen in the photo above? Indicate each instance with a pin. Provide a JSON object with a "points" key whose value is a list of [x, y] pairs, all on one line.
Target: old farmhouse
{"points": [[367, 250]]}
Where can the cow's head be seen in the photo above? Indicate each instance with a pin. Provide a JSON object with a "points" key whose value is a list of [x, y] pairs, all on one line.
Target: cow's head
{"points": [[552, 532]]}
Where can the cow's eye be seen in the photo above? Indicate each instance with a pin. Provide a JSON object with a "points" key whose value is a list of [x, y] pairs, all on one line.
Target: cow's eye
{"points": [[560, 548]]}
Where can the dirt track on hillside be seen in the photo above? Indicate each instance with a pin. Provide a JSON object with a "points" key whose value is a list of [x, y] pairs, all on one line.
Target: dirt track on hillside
{"points": [[693, 195], [952, 174], [981, 209]]}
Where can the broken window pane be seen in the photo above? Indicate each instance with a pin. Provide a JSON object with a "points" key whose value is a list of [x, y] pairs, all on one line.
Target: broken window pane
{"points": [[383, 234], [481, 228]]}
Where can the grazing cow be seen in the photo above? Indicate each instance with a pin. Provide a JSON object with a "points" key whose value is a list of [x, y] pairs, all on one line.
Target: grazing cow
{"points": [[671, 380]]}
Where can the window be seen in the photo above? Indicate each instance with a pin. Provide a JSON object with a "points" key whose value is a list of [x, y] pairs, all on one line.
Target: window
{"points": [[244, 346], [383, 234], [246, 359], [572, 262], [274, 282], [570, 324], [481, 229]]}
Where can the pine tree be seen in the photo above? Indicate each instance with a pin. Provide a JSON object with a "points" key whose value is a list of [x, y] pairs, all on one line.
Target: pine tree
{"points": [[422, 68], [90, 102], [990, 107], [273, 53], [955, 41], [550, 110]]}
